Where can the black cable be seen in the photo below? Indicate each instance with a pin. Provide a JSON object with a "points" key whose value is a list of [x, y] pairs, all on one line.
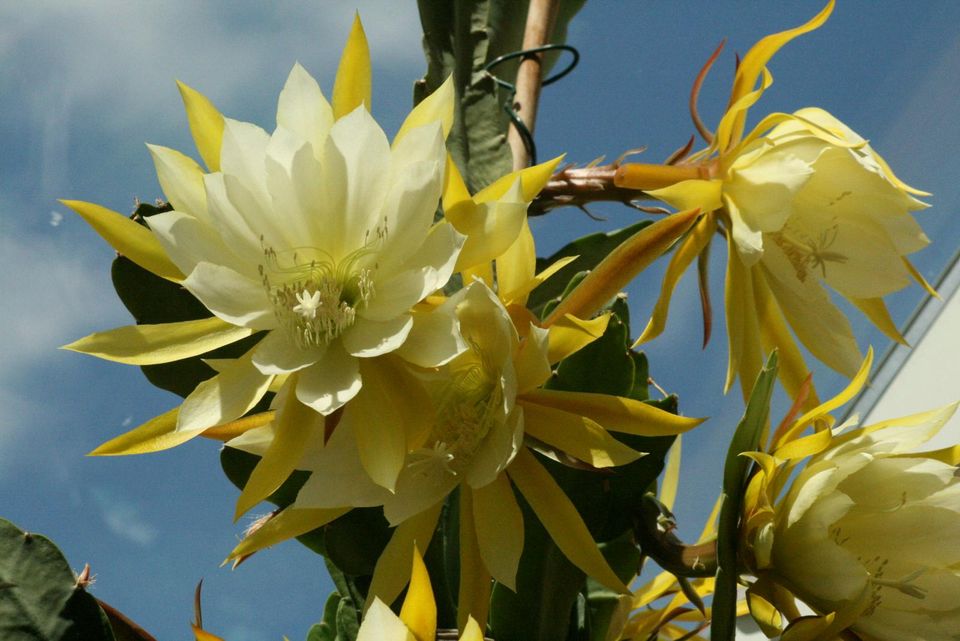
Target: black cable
{"points": [[512, 113]]}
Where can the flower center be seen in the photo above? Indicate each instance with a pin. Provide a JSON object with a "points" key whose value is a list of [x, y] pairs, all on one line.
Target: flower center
{"points": [[805, 252], [315, 298], [467, 408]]}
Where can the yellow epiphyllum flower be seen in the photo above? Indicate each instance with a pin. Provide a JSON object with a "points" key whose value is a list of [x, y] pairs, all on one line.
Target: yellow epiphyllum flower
{"points": [[866, 532], [487, 405], [321, 234], [803, 201]]}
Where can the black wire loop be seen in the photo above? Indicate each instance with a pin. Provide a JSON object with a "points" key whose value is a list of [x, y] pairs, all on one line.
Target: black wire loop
{"points": [[522, 129]]}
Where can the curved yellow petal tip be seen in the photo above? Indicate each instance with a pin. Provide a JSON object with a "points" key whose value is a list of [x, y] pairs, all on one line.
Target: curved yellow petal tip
{"points": [[353, 85], [419, 611], [206, 124]]}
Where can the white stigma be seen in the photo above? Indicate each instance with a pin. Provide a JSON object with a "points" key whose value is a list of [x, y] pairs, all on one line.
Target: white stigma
{"points": [[308, 304]]}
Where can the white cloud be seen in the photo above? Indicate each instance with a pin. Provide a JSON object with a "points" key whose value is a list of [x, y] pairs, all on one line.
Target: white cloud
{"points": [[124, 518]]}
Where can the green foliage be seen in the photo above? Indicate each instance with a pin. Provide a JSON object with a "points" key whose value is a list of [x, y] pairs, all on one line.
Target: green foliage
{"points": [[460, 37], [735, 468], [40, 599]]}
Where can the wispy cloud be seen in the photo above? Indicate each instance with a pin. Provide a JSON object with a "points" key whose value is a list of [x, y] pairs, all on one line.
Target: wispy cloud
{"points": [[124, 518]]}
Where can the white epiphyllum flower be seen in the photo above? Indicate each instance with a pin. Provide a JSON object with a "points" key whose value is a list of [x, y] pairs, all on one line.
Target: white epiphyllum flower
{"points": [[320, 234], [804, 201], [865, 534]]}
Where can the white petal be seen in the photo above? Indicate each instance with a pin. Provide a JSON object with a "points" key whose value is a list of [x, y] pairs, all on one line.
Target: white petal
{"points": [[233, 229], [381, 624], [356, 160], [187, 241], [231, 296], [818, 323], [242, 154], [422, 144], [421, 484], [395, 296], [278, 354], [337, 477], [303, 109], [330, 382], [497, 450], [368, 338], [493, 228], [225, 397], [408, 212], [437, 257], [292, 175], [434, 340]]}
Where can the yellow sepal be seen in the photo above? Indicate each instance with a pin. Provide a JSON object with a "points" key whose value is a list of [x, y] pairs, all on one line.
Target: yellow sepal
{"points": [[206, 125], [164, 343], [561, 519], [130, 239], [419, 610], [353, 86]]}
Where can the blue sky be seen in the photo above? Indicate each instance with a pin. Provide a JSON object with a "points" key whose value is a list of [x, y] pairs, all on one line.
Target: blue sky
{"points": [[84, 85]]}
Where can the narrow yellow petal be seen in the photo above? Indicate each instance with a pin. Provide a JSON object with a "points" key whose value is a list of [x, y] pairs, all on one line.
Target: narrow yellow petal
{"points": [[390, 413], [285, 525], [804, 447], [793, 369], [473, 601], [653, 590], [419, 611], [159, 433], [876, 310], [851, 390], [692, 194], [457, 204], [130, 239], [917, 276], [517, 266], [153, 344], [530, 362], [393, 568], [532, 181], [352, 87], [437, 107], [561, 519], [482, 272], [759, 55], [499, 526], [689, 249], [232, 429], [764, 613], [206, 125], [295, 422], [569, 335], [671, 475], [710, 526], [743, 330], [614, 413], [521, 292], [621, 265], [576, 435]]}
